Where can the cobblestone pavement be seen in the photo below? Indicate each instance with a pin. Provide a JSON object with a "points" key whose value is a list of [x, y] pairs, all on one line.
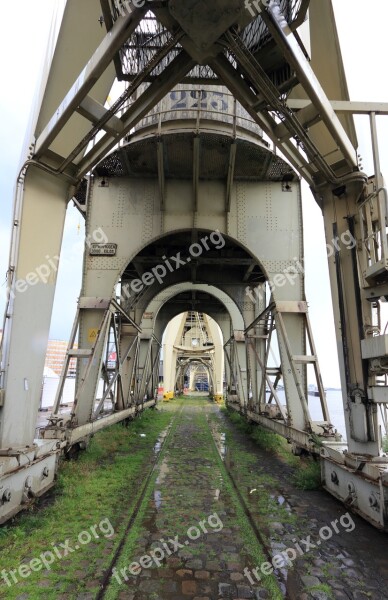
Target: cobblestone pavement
{"points": [[190, 488], [351, 565], [347, 560]]}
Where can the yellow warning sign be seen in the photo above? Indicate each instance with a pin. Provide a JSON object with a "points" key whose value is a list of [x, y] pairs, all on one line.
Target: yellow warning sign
{"points": [[92, 335]]}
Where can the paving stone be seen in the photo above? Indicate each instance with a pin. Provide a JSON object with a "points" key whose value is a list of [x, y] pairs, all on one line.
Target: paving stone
{"points": [[237, 577], [336, 585], [145, 574], [202, 575], [194, 564], [233, 566], [353, 574], [93, 584], [213, 565], [348, 562], [338, 595], [244, 591], [316, 572], [184, 573], [46, 583], [170, 587], [189, 588], [149, 585], [319, 595], [309, 581], [174, 562], [225, 590]]}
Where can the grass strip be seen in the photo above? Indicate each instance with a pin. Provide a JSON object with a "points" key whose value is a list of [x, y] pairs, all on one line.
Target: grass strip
{"points": [[102, 484], [306, 470]]}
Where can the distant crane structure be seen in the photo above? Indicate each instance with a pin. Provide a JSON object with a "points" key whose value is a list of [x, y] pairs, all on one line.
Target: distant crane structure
{"points": [[193, 347], [189, 183]]}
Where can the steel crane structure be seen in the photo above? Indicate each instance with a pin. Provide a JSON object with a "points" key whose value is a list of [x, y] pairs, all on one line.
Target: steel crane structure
{"points": [[192, 346], [189, 183]]}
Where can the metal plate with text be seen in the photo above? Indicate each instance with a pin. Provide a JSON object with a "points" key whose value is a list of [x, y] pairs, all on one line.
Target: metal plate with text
{"points": [[103, 249]]}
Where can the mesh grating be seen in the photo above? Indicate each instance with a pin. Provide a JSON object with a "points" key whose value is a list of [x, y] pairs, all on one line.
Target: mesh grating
{"points": [[178, 156], [139, 159], [214, 156], [80, 194], [148, 38], [250, 161], [278, 169], [256, 34], [111, 166]]}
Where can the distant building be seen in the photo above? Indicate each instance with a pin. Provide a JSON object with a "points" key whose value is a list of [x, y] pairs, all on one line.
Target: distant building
{"points": [[56, 355]]}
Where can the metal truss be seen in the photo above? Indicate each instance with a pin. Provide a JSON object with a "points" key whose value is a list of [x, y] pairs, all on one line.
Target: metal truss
{"points": [[118, 399], [262, 408]]}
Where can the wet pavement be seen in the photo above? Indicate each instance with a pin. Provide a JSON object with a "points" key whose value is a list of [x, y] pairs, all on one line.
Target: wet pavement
{"points": [[338, 554], [195, 541], [191, 544]]}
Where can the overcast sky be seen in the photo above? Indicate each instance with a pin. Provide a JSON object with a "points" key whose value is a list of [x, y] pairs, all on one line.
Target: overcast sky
{"points": [[362, 30]]}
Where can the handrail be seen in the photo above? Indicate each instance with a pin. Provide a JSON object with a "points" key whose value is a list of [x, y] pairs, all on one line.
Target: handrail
{"points": [[190, 103]]}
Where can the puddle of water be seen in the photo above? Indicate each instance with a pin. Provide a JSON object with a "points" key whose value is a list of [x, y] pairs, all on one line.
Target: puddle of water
{"points": [[157, 447], [158, 499], [159, 443], [163, 471]]}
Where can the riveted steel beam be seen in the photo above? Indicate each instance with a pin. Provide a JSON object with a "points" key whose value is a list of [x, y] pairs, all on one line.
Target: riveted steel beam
{"points": [[120, 32]]}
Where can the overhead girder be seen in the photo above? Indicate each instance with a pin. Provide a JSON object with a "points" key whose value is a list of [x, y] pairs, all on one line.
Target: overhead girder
{"points": [[201, 53], [329, 69], [225, 270], [171, 310], [309, 81], [78, 92], [167, 297]]}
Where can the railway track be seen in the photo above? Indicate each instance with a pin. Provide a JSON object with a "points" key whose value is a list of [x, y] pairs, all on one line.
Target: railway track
{"points": [[138, 504], [177, 435]]}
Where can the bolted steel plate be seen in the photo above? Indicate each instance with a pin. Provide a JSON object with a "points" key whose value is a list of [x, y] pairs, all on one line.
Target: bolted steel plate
{"points": [[206, 21]]}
